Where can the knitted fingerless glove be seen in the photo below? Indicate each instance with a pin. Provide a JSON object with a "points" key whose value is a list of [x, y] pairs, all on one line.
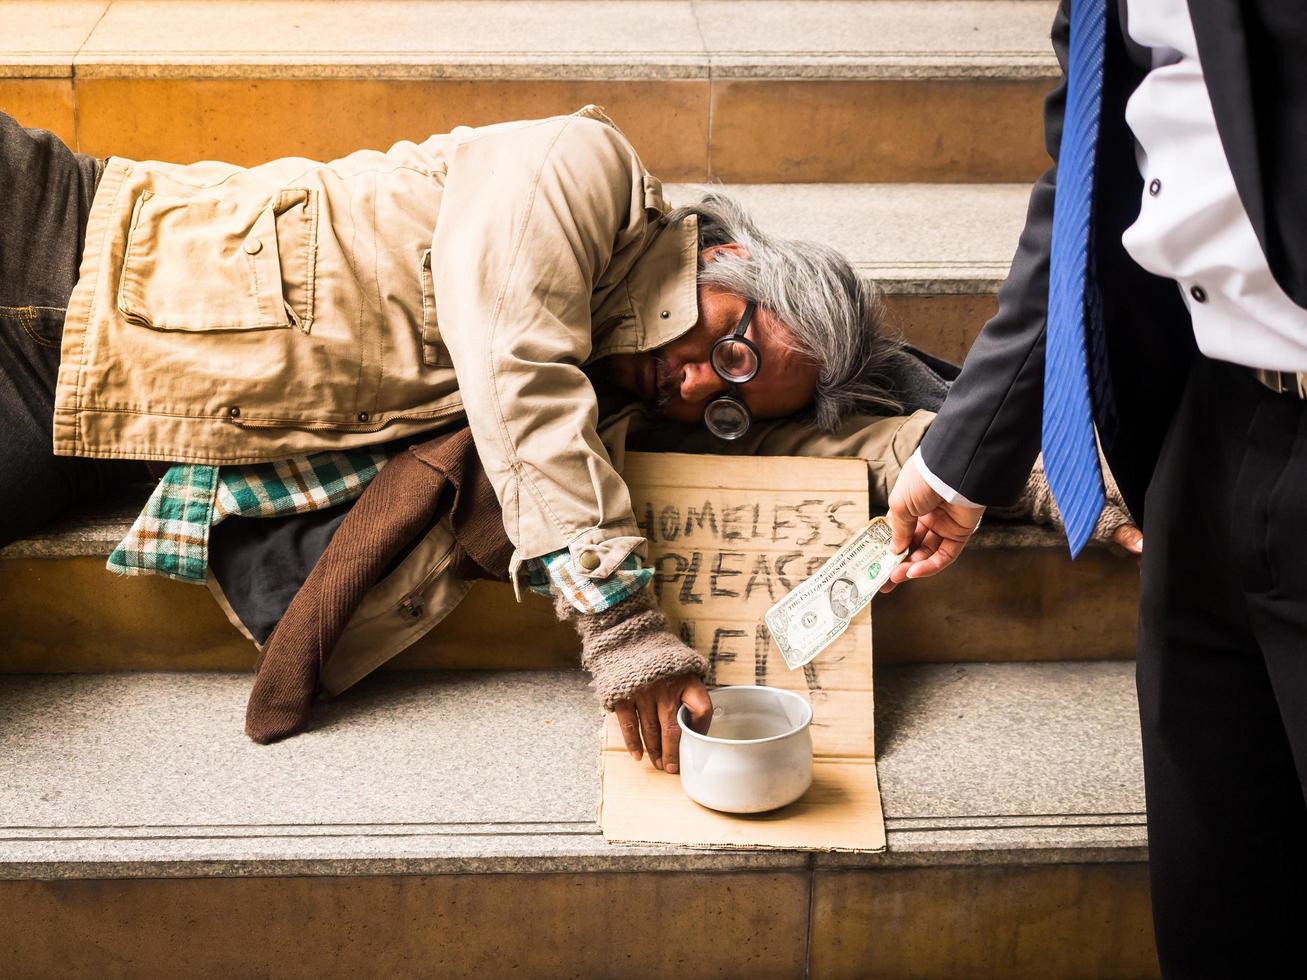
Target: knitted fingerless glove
{"points": [[1036, 503], [627, 646]]}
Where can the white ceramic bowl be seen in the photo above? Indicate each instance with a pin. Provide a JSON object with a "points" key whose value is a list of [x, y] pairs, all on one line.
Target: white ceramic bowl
{"points": [[756, 755]]}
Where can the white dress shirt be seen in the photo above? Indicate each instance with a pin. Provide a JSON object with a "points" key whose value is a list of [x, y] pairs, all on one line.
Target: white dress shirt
{"points": [[1192, 227]]}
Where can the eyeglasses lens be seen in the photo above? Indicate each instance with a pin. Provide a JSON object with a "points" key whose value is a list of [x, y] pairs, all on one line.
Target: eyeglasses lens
{"points": [[726, 418], [735, 361]]}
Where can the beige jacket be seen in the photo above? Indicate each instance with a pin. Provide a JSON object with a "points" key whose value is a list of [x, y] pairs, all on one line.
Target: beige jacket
{"points": [[231, 315]]}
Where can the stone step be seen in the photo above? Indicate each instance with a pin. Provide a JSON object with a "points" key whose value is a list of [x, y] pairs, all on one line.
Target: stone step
{"points": [[739, 90], [1016, 596], [445, 824]]}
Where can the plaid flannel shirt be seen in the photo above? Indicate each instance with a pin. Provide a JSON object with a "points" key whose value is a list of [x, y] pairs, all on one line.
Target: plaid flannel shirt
{"points": [[170, 537], [556, 573]]}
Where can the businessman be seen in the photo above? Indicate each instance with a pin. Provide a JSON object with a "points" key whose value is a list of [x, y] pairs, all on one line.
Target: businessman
{"points": [[1158, 300]]}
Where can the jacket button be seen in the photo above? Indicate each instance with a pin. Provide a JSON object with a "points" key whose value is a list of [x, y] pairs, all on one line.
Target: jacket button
{"points": [[363, 416], [665, 314], [588, 561], [1154, 187], [1198, 293], [254, 246], [233, 412]]}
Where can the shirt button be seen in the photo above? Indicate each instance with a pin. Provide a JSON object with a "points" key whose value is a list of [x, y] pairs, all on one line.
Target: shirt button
{"points": [[665, 314], [1198, 293], [254, 246], [1154, 187], [588, 561]]}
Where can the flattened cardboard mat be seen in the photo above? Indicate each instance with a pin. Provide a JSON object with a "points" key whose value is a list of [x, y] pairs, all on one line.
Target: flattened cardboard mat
{"points": [[728, 536]]}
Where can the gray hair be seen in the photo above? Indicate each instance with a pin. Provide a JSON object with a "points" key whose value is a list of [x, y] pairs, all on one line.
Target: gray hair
{"points": [[835, 315]]}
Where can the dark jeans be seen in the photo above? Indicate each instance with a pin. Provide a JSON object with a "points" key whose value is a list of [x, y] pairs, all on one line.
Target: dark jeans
{"points": [[1222, 677], [45, 195]]}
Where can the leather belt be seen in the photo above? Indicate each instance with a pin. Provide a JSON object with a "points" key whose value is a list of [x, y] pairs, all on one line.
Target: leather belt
{"points": [[1283, 382]]}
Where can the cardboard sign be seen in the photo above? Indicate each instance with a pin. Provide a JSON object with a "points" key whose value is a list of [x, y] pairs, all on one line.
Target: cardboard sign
{"points": [[728, 536]]}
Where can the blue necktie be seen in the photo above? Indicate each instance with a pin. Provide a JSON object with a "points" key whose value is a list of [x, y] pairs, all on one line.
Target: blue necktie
{"points": [[1070, 452]]}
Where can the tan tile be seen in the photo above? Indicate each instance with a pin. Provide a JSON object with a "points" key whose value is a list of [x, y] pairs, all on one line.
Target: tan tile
{"points": [[945, 326], [1044, 922], [672, 924], [72, 615], [41, 103], [1016, 604], [491, 630], [249, 121], [888, 130]]}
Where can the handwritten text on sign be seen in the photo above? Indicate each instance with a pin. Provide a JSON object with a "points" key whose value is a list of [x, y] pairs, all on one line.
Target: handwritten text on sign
{"points": [[728, 537], [736, 550]]}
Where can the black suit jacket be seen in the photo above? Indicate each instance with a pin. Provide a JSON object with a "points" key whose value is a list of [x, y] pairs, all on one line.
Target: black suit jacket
{"points": [[1254, 55]]}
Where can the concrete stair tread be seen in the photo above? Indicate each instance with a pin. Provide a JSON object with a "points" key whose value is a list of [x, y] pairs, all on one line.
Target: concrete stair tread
{"points": [[149, 775], [643, 39], [914, 239], [91, 531]]}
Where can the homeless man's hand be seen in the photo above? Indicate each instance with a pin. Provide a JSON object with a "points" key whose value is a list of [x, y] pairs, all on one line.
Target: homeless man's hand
{"points": [[932, 531], [640, 671], [650, 713]]}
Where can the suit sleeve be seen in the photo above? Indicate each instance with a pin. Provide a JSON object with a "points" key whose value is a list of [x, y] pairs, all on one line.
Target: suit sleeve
{"points": [[986, 436]]}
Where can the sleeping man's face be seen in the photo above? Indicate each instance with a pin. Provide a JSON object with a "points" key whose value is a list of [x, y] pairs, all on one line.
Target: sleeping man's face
{"points": [[678, 380]]}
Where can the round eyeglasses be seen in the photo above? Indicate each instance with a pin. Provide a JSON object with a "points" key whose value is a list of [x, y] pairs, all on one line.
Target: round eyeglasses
{"points": [[736, 360]]}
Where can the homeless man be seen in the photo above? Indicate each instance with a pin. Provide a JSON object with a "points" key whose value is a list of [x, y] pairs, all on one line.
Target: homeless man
{"points": [[271, 335]]}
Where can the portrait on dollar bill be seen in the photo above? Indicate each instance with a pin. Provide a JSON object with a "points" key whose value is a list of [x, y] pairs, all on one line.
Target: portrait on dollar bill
{"points": [[844, 598]]}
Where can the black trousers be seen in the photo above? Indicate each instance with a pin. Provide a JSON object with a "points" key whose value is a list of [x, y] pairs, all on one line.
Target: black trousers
{"points": [[45, 197], [1222, 678]]}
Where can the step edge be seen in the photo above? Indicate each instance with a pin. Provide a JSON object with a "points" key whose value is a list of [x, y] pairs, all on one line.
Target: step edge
{"points": [[533, 67], [1126, 845]]}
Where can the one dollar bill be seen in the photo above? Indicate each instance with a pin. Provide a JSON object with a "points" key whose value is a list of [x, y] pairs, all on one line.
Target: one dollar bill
{"points": [[812, 616]]}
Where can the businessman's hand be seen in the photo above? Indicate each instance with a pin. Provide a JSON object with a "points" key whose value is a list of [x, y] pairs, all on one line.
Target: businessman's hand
{"points": [[931, 531]]}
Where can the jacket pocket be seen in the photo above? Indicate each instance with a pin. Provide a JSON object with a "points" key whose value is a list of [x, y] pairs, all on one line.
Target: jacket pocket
{"points": [[434, 351], [222, 263]]}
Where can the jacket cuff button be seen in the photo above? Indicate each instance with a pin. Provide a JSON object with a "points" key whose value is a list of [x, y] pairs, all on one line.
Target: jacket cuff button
{"points": [[233, 412], [363, 416], [588, 561]]}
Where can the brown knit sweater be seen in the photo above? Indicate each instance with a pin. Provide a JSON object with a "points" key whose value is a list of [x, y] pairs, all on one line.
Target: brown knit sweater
{"points": [[627, 647], [1036, 504], [416, 488]]}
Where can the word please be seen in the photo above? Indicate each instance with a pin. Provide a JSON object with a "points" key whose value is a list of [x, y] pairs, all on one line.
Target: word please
{"points": [[731, 574]]}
